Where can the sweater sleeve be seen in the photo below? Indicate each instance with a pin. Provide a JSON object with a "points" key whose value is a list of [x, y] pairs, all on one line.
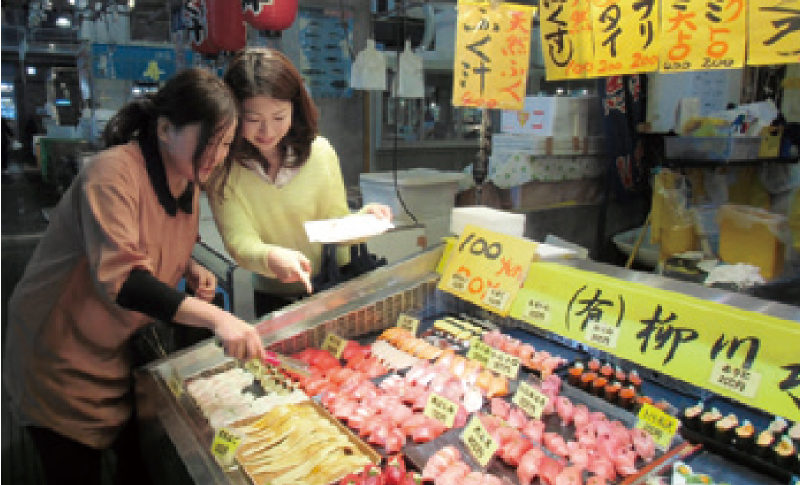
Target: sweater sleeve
{"points": [[236, 224]]}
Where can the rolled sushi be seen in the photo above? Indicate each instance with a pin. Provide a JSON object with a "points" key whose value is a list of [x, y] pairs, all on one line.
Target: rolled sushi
{"points": [[723, 430], [691, 416], [708, 421], [744, 436]]}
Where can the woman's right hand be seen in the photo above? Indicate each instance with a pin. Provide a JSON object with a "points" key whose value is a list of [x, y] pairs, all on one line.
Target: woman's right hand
{"points": [[239, 339], [290, 266]]}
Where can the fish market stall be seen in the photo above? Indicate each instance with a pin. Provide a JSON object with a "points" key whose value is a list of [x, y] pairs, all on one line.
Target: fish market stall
{"points": [[399, 363]]}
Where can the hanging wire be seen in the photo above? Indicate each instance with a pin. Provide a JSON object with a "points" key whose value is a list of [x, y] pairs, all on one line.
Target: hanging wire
{"points": [[397, 123]]}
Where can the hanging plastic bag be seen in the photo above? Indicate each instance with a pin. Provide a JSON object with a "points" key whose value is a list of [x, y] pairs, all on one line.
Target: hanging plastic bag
{"points": [[409, 81], [368, 71]]}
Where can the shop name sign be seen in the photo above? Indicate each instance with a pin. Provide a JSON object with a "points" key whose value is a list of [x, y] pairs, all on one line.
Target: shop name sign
{"points": [[744, 355], [487, 268]]}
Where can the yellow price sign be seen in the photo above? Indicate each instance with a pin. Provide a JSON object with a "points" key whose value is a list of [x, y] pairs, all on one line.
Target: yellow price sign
{"points": [[599, 333], [537, 311], [408, 322], [487, 268], [441, 409], [479, 350], [334, 344], [478, 441], [175, 383], [660, 425], [770, 39], [224, 446], [735, 379], [504, 364], [530, 400]]}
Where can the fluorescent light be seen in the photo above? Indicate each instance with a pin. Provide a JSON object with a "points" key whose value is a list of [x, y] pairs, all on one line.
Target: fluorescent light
{"points": [[63, 22], [72, 2], [31, 70], [131, 4]]}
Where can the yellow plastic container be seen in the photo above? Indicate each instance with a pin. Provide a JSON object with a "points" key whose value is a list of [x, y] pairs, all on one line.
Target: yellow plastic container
{"points": [[753, 236], [676, 239]]}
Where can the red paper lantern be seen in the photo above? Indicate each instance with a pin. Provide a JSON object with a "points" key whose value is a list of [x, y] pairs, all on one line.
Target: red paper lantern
{"points": [[270, 15], [226, 28]]}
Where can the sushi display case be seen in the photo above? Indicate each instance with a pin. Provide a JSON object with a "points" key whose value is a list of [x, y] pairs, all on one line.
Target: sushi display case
{"points": [[583, 416]]}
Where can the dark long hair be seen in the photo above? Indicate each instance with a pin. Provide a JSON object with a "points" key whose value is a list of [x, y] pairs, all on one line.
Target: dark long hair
{"points": [[267, 72], [191, 96]]}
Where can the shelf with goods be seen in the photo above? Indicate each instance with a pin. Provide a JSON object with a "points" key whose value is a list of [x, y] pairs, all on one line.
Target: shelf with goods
{"points": [[362, 309]]}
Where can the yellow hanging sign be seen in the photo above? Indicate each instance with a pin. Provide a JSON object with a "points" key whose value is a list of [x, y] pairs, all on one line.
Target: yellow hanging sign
{"points": [[487, 268], [774, 32], [566, 39], [626, 37], [747, 356], [492, 55], [702, 34]]}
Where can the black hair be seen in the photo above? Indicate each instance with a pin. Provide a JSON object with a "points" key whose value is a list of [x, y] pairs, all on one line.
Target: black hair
{"points": [[191, 96]]}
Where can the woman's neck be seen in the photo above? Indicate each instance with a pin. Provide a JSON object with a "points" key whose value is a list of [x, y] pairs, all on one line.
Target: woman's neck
{"points": [[175, 180]]}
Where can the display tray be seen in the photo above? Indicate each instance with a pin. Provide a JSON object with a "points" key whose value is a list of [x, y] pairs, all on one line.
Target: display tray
{"points": [[748, 459], [259, 478], [419, 454]]}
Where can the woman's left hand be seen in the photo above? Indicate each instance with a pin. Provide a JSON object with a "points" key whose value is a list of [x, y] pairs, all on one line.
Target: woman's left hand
{"points": [[201, 281], [380, 211]]}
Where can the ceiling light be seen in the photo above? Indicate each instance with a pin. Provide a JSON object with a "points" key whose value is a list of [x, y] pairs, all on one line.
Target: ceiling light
{"points": [[63, 22], [31, 70], [131, 4]]}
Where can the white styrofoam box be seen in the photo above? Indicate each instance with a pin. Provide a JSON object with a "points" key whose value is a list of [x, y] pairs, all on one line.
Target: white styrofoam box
{"points": [[496, 220], [544, 115], [428, 194]]}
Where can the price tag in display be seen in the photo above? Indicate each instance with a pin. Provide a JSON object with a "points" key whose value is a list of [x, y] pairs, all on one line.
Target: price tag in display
{"points": [[441, 409], [409, 323], [530, 399], [478, 441], [487, 268], [736, 379], [598, 333], [660, 425], [504, 364], [224, 446], [254, 367], [479, 350], [334, 344], [537, 311], [175, 383]]}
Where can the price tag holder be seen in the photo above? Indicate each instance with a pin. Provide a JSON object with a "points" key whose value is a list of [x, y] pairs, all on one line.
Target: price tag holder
{"points": [[741, 381], [441, 409], [504, 364], [530, 399], [479, 350], [334, 344], [175, 383], [487, 268], [409, 323], [224, 446], [660, 425], [478, 441], [598, 333]]}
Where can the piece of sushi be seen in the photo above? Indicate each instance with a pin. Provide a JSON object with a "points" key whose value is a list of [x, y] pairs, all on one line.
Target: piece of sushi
{"points": [[785, 453], [723, 430], [691, 416], [764, 443], [744, 436], [708, 420]]}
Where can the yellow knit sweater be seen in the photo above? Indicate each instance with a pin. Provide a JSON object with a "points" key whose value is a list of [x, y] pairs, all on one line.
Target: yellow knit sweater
{"points": [[254, 215]]}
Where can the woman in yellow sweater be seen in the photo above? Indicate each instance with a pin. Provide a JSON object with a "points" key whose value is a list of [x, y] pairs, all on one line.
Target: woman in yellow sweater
{"points": [[280, 174]]}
